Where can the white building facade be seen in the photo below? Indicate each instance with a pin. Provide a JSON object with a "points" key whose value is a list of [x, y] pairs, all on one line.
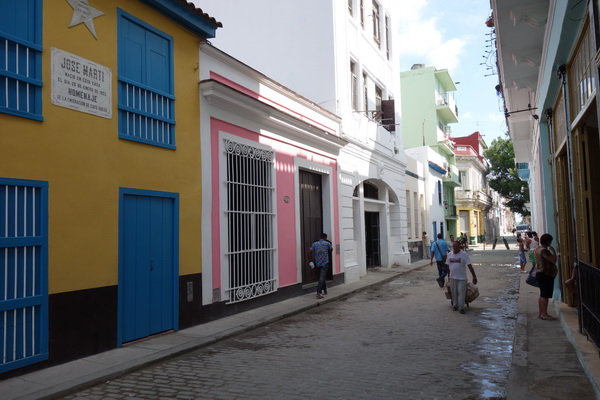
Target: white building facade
{"points": [[345, 60], [431, 199]]}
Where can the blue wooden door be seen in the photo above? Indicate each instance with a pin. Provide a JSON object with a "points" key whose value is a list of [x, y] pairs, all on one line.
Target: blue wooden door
{"points": [[148, 264]]}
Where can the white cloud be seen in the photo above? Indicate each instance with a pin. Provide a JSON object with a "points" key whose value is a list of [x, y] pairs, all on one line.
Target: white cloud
{"points": [[448, 54], [421, 39], [466, 116], [495, 117]]}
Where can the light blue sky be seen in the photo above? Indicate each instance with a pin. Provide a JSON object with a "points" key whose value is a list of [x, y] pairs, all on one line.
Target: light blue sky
{"points": [[452, 35]]}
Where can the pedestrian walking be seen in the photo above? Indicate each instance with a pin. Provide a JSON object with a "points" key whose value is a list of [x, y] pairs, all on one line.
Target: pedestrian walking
{"points": [[545, 256], [426, 245], [439, 251], [450, 241], [319, 250], [463, 240], [522, 248], [458, 261]]}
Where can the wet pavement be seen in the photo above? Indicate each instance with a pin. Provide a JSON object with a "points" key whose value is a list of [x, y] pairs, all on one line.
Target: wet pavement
{"points": [[393, 335]]}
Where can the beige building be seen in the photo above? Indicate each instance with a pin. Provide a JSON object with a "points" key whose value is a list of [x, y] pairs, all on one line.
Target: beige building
{"points": [[473, 200]]}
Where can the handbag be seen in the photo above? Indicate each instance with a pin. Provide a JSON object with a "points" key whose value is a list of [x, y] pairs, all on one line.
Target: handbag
{"points": [[531, 279]]}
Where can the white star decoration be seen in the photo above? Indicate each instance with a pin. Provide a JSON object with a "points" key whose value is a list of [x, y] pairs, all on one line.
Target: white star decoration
{"points": [[83, 12]]}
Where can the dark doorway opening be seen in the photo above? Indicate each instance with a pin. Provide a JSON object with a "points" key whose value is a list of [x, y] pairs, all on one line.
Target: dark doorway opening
{"points": [[373, 240], [311, 217]]}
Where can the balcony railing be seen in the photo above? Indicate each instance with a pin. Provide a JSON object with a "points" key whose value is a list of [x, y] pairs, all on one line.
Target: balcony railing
{"points": [[446, 106], [451, 211]]}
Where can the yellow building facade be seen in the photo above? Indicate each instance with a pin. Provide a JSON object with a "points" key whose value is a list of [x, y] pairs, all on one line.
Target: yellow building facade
{"points": [[473, 225], [96, 175]]}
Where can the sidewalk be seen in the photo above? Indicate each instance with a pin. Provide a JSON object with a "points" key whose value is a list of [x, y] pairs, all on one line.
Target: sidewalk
{"points": [[547, 355]]}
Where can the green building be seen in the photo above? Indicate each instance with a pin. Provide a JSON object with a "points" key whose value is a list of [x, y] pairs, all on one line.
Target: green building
{"points": [[428, 110]]}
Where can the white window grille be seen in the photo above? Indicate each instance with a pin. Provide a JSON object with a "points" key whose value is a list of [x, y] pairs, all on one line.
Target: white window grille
{"points": [[250, 221]]}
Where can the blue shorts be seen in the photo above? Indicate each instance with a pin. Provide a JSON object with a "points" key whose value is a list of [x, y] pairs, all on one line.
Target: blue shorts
{"points": [[522, 258]]}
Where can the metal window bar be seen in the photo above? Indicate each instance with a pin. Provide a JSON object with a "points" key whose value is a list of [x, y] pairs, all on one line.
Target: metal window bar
{"points": [[19, 273], [589, 280], [250, 220], [20, 86], [582, 74], [146, 114]]}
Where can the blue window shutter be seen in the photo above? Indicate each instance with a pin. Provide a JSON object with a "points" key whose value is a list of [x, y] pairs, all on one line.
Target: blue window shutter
{"points": [[21, 58], [146, 101], [157, 60], [135, 50], [16, 18]]}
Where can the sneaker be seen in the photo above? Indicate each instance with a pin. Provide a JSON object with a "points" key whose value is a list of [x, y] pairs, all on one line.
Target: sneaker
{"points": [[320, 296], [462, 311], [440, 282], [325, 292]]}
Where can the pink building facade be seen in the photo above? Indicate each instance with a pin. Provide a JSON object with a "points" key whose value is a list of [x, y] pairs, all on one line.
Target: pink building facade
{"points": [[270, 187]]}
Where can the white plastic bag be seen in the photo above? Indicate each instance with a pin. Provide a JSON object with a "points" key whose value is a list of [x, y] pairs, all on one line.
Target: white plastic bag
{"points": [[472, 292]]}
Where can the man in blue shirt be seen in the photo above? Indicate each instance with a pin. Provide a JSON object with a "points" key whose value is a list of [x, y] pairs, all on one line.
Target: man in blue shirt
{"points": [[439, 250], [320, 250]]}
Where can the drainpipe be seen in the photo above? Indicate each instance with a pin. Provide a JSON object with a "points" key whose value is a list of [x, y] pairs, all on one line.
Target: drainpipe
{"points": [[561, 73]]}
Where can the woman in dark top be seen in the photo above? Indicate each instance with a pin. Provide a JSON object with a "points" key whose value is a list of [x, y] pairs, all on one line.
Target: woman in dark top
{"points": [[545, 257]]}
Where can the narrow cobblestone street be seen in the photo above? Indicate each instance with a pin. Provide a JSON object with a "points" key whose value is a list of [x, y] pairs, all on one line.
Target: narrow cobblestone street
{"points": [[397, 340]]}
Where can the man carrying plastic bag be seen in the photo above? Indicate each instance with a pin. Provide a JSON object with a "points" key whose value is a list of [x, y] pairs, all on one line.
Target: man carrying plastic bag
{"points": [[458, 261]]}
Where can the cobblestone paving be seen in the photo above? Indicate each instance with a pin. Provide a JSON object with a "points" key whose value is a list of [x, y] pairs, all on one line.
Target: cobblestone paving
{"points": [[400, 340]]}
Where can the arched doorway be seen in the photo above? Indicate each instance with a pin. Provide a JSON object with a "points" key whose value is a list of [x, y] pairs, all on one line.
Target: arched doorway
{"points": [[372, 227], [376, 223]]}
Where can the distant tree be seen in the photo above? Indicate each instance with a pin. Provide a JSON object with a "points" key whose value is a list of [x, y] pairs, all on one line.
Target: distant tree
{"points": [[504, 178]]}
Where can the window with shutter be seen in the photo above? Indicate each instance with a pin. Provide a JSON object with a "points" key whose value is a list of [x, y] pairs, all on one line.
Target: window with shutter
{"points": [[146, 94], [21, 58]]}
